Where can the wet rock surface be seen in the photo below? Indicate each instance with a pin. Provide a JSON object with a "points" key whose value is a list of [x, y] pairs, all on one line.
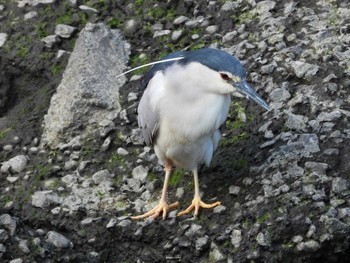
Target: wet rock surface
{"points": [[282, 176]]}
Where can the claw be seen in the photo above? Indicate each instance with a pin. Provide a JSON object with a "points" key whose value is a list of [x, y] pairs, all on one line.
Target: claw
{"points": [[196, 204], [162, 208]]}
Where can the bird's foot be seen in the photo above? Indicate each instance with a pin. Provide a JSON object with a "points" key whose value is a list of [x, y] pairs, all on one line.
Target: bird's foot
{"points": [[162, 208], [196, 204]]}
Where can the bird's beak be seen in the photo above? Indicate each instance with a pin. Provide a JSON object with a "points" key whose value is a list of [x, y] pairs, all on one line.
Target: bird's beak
{"points": [[246, 90]]}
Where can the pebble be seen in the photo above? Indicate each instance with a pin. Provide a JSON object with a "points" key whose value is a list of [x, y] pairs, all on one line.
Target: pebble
{"points": [[140, 173], [121, 151], [263, 240], [175, 36], [304, 70], [161, 33], [45, 199], [64, 31], [3, 235], [58, 240], [30, 15], [202, 243], [101, 176], [236, 238], [107, 142], [339, 185], [234, 190], [50, 41], [9, 223], [87, 8], [3, 38], [180, 20], [15, 165]]}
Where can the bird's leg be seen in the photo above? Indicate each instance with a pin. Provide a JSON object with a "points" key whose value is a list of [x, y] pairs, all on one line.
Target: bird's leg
{"points": [[163, 207], [197, 202]]}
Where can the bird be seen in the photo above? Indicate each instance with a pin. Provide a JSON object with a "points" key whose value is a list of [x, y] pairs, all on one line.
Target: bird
{"points": [[186, 99]]}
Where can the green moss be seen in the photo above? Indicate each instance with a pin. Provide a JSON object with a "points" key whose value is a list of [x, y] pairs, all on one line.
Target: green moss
{"points": [[40, 30], [65, 19], [41, 171], [264, 218], [245, 17], [4, 133], [151, 176], [114, 22], [138, 61], [115, 160], [176, 177], [56, 69]]}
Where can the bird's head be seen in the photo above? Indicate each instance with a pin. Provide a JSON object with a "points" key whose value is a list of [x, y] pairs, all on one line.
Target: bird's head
{"points": [[227, 69]]}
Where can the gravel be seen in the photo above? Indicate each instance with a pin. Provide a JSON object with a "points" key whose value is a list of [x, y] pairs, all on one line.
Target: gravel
{"points": [[73, 162]]}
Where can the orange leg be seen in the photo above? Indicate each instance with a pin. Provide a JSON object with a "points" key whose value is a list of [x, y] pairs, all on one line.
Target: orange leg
{"points": [[163, 207], [197, 202]]}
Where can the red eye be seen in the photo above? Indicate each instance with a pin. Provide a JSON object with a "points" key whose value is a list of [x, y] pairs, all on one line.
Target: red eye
{"points": [[224, 76]]}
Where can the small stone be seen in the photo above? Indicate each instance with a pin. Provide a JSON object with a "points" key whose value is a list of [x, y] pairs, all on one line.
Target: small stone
{"points": [[309, 246], [121, 151], [23, 246], [131, 26], [2, 249], [30, 15], [180, 191], [140, 173], [8, 148], [236, 238], [3, 235], [229, 36], [219, 209], [50, 40], [9, 223], [297, 239], [181, 19], [194, 230], [263, 240], [279, 95], [87, 8], [136, 137], [112, 222], [101, 176], [202, 243], [303, 69], [264, 6], [212, 29], [215, 254], [17, 260], [161, 33], [70, 165], [64, 31], [45, 199], [58, 240], [234, 190], [12, 179], [339, 185], [296, 122], [132, 96], [3, 38], [33, 150], [106, 144], [176, 35], [229, 6], [15, 165]]}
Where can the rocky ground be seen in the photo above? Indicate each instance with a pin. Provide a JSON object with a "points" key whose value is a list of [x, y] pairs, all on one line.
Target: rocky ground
{"points": [[282, 176]]}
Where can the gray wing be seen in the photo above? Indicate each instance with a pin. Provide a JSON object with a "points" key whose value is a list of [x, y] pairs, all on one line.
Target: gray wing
{"points": [[148, 118]]}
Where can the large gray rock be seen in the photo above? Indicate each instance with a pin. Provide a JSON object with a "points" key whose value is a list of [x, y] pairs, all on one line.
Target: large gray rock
{"points": [[89, 90]]}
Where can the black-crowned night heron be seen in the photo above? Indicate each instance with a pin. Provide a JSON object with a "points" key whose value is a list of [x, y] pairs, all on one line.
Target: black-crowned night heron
{"points": [[186, 100]]}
